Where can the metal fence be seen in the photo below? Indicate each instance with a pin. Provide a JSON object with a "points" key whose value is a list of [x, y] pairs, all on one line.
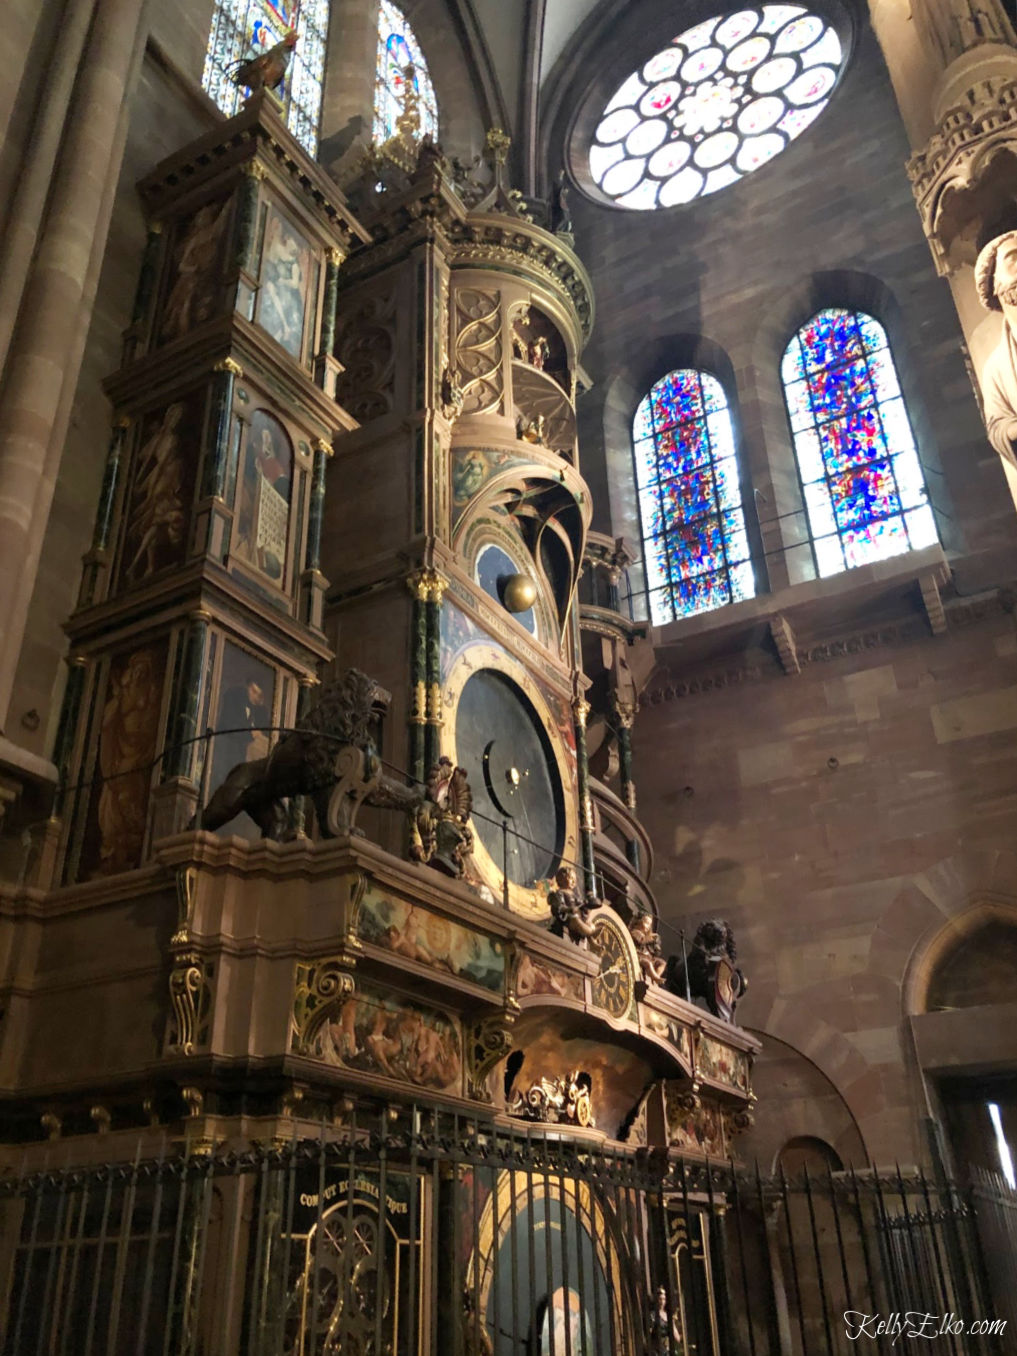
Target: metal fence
{"points": [[424, 1232]]}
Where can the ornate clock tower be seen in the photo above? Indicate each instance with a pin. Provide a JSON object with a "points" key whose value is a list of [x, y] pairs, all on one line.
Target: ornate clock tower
{"points": [[456, 514]]}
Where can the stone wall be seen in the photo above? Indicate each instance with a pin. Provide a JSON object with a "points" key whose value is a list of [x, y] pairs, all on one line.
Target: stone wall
{"points": [[840, 820]]}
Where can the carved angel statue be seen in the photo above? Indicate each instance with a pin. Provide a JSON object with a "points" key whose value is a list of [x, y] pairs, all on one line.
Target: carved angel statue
{"points": [[440, 835]]}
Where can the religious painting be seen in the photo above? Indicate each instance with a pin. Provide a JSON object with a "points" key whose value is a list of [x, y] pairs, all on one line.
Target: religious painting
{"points": [[473, 468], [261, 520], [195, 271], [243, 714], [535, 977], [128, 739], [285, 270], [722, 1063], [408, 930], [387, 1035], [162, 488], [690, 1126]]}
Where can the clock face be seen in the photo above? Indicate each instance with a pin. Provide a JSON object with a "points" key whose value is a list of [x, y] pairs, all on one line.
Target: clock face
{"points": [[613, 986], [513, 776]]}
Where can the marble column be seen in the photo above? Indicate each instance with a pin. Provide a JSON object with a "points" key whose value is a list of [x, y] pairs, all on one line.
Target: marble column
{"points": [[46, 347]]}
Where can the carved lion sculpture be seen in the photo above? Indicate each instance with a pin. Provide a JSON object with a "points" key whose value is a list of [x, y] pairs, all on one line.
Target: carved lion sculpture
{"points": [[713, 975], [330, 757]]}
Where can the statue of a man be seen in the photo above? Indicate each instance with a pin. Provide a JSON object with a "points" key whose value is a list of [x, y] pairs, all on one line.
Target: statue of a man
{"points": [[996, 281]]}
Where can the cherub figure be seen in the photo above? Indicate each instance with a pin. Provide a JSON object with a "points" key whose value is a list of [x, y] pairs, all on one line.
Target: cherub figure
{"points": [[643, 929], [570, 910]]}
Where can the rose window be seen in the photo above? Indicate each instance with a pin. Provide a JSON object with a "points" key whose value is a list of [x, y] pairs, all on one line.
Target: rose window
{"points": [[715, 104]]}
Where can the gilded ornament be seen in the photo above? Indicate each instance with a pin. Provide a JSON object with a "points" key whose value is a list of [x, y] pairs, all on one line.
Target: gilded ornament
{"points": [[518, 593], [565, 1101], [489, 1041], [229, 365]]}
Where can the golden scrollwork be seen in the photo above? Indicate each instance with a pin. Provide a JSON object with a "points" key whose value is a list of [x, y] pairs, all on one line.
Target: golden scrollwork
{"points": [[186, 880], [487, 1041], [190, 1002], [321, 986]]}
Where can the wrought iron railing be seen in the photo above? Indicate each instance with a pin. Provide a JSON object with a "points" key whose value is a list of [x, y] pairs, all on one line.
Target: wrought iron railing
{"points": [[416, 1231]]}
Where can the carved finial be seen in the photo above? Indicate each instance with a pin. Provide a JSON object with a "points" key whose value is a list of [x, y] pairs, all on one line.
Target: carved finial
{"points": [[102, 1117], [497, 144], [52, 1124]]}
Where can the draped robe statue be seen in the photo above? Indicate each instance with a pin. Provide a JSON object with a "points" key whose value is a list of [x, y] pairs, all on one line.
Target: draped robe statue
{"points": [[996, 281]]}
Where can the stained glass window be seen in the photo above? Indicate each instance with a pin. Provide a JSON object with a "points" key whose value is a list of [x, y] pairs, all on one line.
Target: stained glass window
{"points": [[718, 102], [690, 502], [863, 484], [246, 28], [397, 49]]}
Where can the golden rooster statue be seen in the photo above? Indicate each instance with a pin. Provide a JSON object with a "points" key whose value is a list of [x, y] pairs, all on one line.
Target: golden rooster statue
{"points": [[267, 70]]}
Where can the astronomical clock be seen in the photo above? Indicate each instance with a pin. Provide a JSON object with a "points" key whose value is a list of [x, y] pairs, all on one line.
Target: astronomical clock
{"points": [[333, 603]]}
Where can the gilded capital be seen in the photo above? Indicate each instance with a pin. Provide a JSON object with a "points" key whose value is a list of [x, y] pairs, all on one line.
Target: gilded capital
{"points": [[334, 256], [427, 585], [320, 445], [229, 365], [625, 712], [254, 169], [581, 711]]}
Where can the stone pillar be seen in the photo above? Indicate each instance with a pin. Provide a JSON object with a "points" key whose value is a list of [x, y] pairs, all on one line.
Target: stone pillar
{"points": [[45, 350], [347, 110], [28, 205]]}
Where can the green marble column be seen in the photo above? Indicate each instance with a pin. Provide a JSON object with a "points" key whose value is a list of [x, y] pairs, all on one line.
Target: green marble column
{"points": [[331, 303], [418, 586], [67, 729], [213, 480], [182, 724], [316, 511], [96, 557]]}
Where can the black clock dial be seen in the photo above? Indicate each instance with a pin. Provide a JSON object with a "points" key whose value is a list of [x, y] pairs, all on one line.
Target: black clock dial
{"points": [[513, 776], [612, 987]]}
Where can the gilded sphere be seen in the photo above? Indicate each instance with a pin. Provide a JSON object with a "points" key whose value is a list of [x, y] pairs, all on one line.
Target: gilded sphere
{"points": [[518, 592]]}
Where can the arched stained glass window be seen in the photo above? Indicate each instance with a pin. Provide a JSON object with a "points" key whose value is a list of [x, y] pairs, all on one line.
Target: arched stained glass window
{"points": [[694, 540], [863, 484], [246, 28], [397, 49]]}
